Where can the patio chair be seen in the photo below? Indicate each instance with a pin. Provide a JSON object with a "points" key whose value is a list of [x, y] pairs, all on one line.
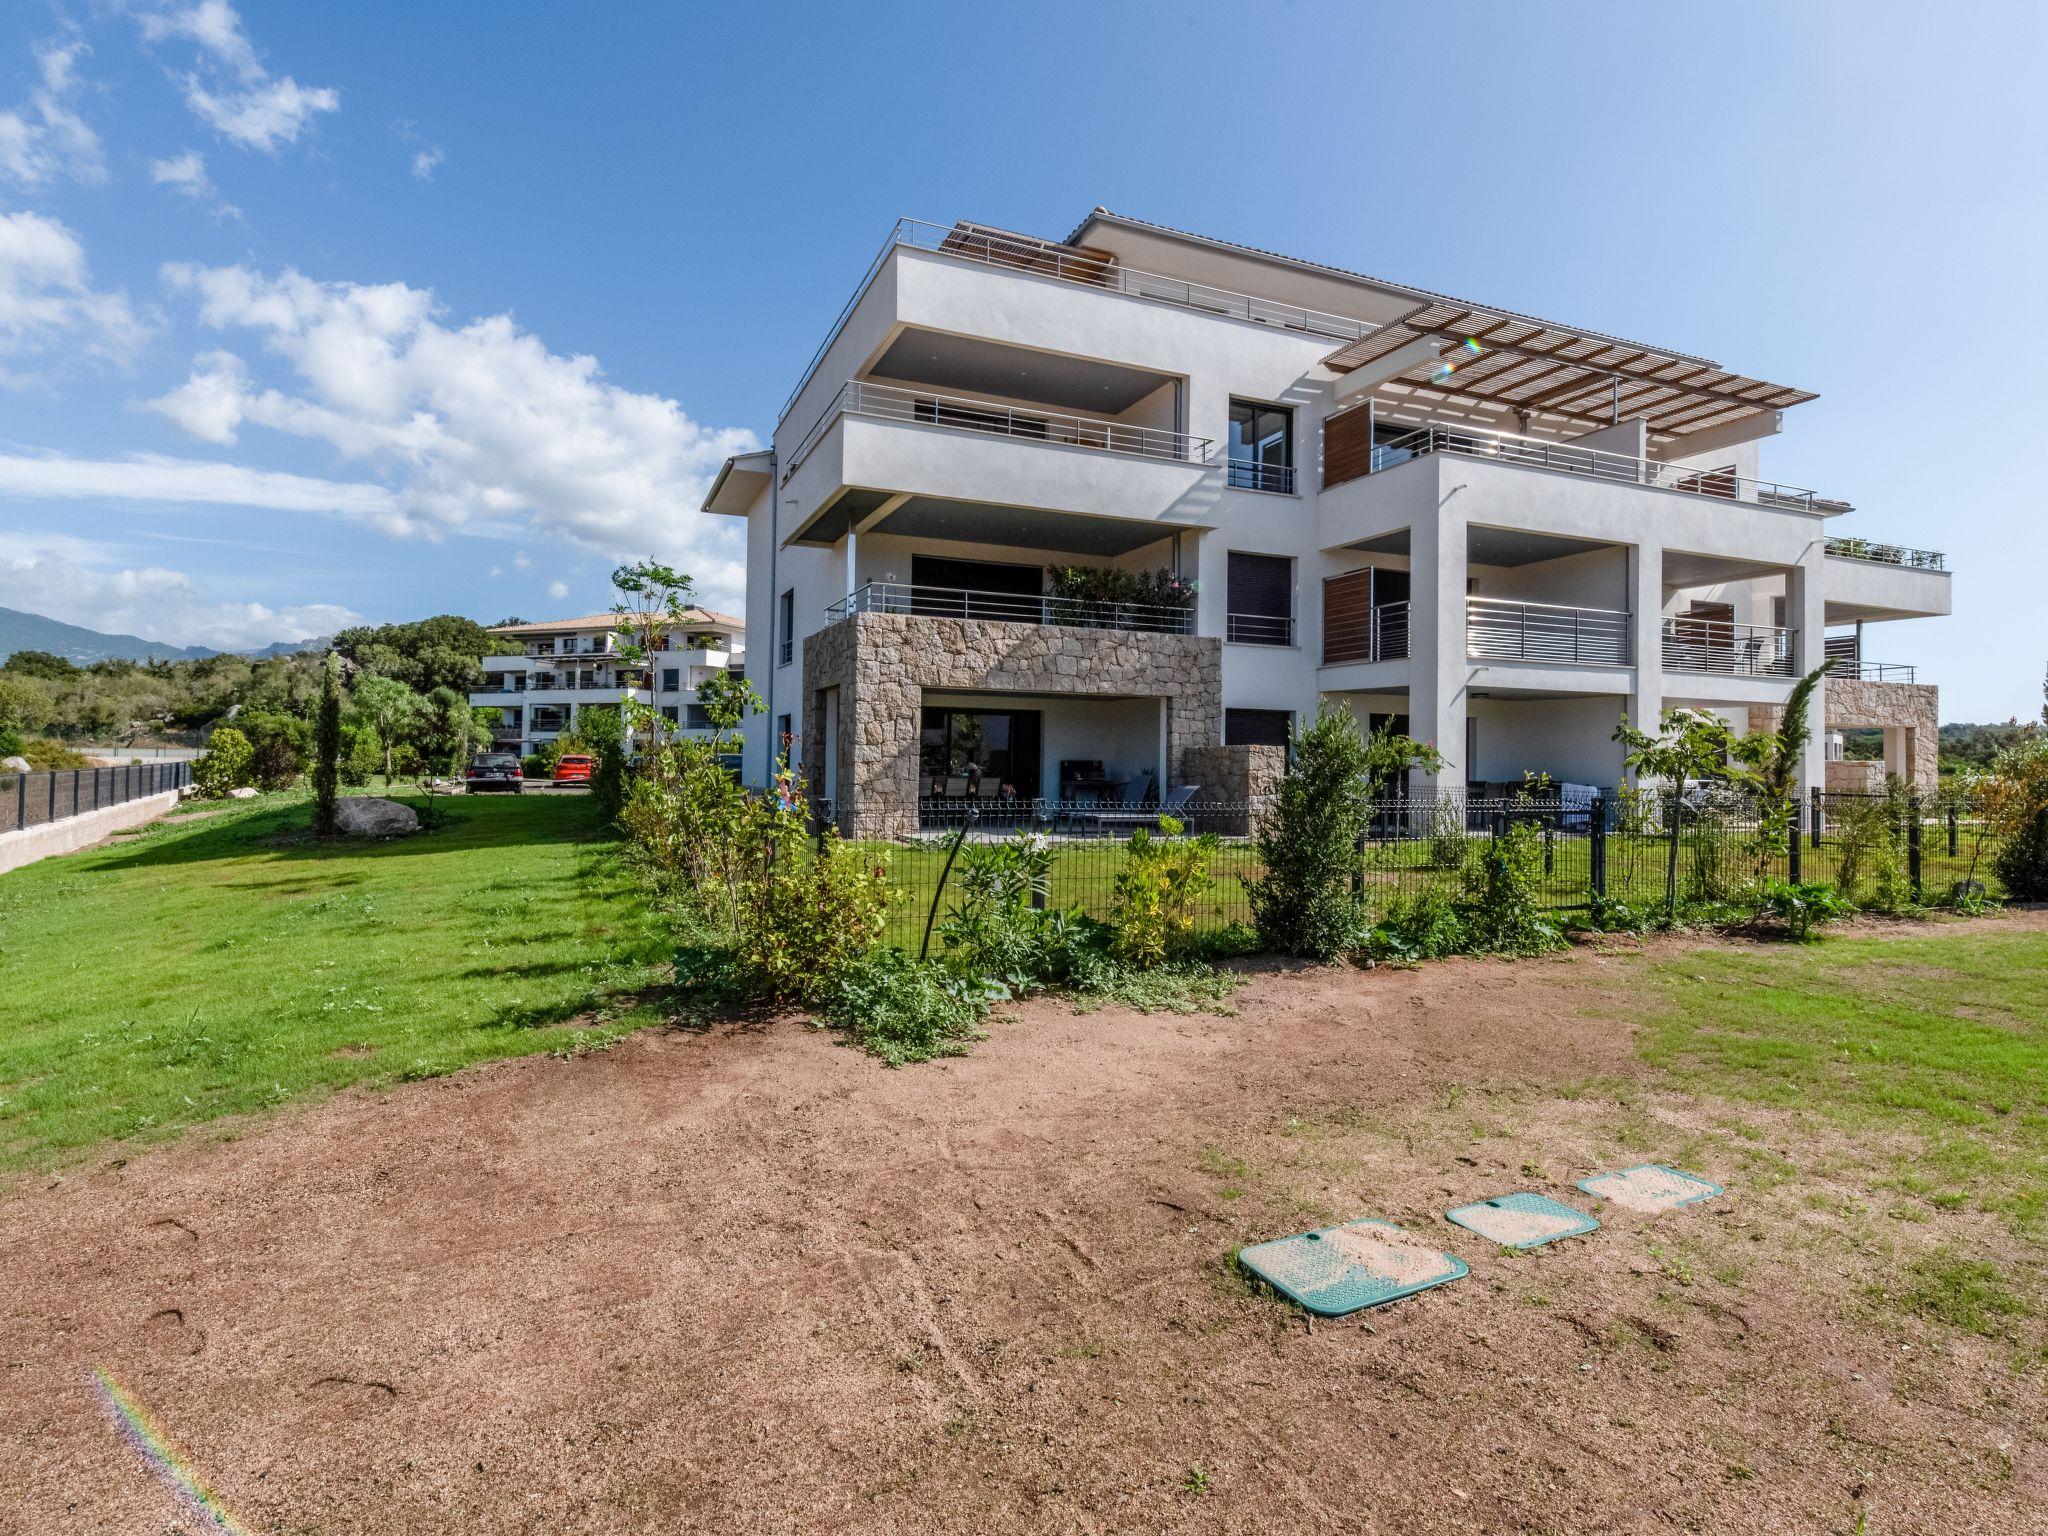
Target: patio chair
{"points": [[1125, 815], [956, 787]]}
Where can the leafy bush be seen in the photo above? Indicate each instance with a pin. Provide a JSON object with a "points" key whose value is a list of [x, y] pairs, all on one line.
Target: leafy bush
{"points": [[2022, 862], [1424, 925], [1610, 914], [224, 765], [904, 1009], [364, 758], [1447, 839], [1801, 908], [43, 755], [537, 765], [1152, 903], [993, 931], [1501, 883], [280, 746], [605, 734]]}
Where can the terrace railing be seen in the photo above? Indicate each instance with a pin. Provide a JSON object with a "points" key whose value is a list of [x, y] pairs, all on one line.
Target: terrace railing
{"points": [[1011, 608], [1498, 629], [1569, 458], [1857, 670], [1715, 645], [1251, 475], [993, 248], [1259, 628], [1887, 554], [920, 407], [1353, 632]]}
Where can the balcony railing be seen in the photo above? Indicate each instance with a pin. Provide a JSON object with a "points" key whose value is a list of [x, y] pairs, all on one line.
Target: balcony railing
{"points": [[1353, 632], [1250, 475], [1888, 554], [1011, 608], [887, 402], [1538, 453], [1857, 671], [994, 249], [1584, 637], [1715, 645], [1259, 628]]}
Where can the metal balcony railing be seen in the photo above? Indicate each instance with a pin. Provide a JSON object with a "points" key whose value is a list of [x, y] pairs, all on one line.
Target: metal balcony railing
{"points": [[1365, 634], [1539, 453], [1251, 475], [1011, 608], [1857, 670], [1041, 259], [888, 402], [1498, 629], [1887, 554], [1259, 629], [1715, 645]]}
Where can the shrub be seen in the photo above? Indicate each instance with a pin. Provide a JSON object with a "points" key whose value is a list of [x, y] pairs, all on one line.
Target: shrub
{"points": [[1447, 839], [2013, 796], [993, 931], [904, 1009], [1502, 883], [1423, 926], [224, 765], [537, 765], [1801, 908], [2022, 862], [43, 755], [327, 749], [1152, 902], [605, 733], [364, 758], [280, 746]]}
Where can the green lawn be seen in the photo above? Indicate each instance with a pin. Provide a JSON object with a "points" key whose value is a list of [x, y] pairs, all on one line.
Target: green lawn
{"points": [[1931, 1051], [221, 962]]}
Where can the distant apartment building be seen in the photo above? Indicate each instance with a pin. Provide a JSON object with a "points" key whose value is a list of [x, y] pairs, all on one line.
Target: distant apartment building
{"points": [[1044, 515], [564, 666]]}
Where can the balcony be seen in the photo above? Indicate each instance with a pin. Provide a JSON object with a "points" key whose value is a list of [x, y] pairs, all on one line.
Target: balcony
{"points": [[1887, 554], [889, 402], [1735, 650], [1499, 630], [1354, 632], [1259, 628], [1845, 651], [1566, 458], [1011, 608], [1251, 475]]}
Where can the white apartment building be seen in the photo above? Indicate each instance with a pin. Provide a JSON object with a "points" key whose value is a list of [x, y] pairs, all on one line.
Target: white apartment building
{"points": [[564, 666], [1497, 532]]}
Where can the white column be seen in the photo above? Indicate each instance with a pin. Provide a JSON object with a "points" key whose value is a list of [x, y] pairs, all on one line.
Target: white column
{"points": [[1437, 669], [1646, 635], [851, 565]]}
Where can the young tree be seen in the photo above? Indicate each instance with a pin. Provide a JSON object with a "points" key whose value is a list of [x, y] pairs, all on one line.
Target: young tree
{"points": [[654, 600], [327, 750], [387, 706], [1771, 759], [1309, 844], [1692, 744]]}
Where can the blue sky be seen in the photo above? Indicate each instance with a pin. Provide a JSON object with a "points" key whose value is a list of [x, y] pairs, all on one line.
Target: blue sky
{"points": [[309, 312]]}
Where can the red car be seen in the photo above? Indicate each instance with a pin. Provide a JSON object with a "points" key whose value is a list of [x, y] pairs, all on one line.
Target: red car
{"points": [[573, 768]]}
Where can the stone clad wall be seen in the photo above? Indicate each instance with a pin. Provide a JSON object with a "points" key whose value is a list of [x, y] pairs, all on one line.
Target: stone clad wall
{"points": [[1246, 776], [882, 663], [1849, 704]]}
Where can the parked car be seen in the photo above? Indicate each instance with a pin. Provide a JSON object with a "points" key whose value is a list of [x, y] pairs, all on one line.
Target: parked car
{"points": [[574, 768], [494, 770]]}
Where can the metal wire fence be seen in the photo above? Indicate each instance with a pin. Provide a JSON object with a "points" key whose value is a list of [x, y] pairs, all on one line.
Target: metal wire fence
{"points": [[35, 799], [1611, 847]]}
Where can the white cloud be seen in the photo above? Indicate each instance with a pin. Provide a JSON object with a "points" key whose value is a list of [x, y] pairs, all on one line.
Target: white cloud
{"points": [[232, 90], [427, 161], [157, 477], [496, 571], [480, 428], [558, 589], [80, 582], [45, 138], [48, 304]]}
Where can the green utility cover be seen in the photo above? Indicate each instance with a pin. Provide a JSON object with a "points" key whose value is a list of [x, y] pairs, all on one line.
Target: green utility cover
{"points": [[1650, 1188], [1341, 1269], [1522, 1220]]}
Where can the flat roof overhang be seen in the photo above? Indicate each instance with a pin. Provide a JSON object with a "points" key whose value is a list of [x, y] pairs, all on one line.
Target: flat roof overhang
{"points": [[867, 511]]}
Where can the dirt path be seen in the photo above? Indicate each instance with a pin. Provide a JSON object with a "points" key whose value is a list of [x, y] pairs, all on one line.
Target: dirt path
{"points": [[748, 1281]]}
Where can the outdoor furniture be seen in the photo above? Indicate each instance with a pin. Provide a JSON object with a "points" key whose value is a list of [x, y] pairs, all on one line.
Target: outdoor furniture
{"points": [[1125, 815], [956, 787], [1577, 803]]}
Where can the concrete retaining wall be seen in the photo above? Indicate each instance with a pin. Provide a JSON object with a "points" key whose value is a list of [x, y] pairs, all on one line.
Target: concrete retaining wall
{"points": [[82, 831]]}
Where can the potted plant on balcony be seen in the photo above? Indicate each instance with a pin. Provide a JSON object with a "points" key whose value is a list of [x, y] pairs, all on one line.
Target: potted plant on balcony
{"points": [[1108, 597]]}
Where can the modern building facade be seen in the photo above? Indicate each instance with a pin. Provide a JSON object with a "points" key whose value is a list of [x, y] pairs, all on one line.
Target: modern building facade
{"points": [[564, 666], [1048, 516]]}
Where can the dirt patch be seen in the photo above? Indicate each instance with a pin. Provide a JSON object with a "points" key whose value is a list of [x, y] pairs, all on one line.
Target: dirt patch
{"points": [[745, 1279]]}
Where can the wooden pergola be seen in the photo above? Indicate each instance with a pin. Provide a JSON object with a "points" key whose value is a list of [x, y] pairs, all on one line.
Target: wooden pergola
{"points": [[1573, 378]]}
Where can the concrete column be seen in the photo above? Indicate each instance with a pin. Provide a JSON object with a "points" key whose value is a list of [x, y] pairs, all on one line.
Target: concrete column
{"points": [[1438, 672], [1646, 635], [1806, 612], [1898, 752]]}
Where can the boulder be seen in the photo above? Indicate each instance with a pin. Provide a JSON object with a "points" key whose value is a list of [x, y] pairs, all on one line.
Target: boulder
{"points": [[367, 816], [242, 793], [15, 765]]}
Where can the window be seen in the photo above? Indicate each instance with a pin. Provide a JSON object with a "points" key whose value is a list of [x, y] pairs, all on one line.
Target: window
{"points": [[668, 713], [671, 679], [1257, 727], [967, 747], [1261, 454], [697, 717], [1259, 600], [785, 627], [785, 737]]}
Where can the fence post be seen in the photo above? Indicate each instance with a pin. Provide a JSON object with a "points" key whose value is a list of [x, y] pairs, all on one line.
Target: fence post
{"points": [[1913, 841], [1358, 869], [1951, 829], [21, 803], [1793, 872], [1816, 815], [1596, 833]]}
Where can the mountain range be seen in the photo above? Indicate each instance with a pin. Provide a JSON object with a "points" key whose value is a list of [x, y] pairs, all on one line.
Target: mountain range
{"points": [[21, 631]]}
